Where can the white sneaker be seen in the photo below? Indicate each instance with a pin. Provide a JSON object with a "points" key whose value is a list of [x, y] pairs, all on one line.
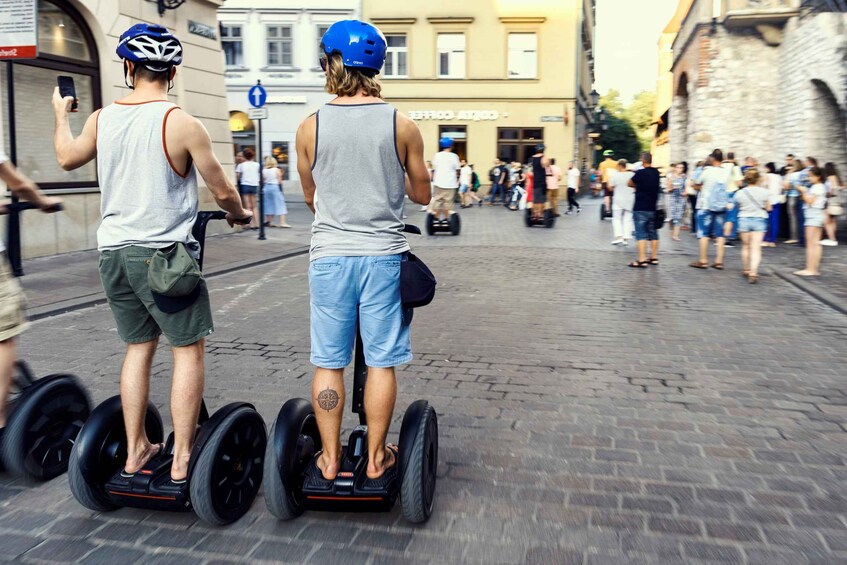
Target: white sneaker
{"points": [[829, 243], [617, 241], [424, 208]]}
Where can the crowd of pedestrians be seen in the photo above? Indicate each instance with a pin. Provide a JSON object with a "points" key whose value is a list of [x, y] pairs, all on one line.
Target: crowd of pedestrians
{"points": [[726, 204]]}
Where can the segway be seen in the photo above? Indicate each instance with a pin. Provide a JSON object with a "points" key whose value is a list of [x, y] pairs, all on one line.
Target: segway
{"points": [[548, 220], [606, 211], [44, 415], [225, 468], [294, 441], [453, 225]]}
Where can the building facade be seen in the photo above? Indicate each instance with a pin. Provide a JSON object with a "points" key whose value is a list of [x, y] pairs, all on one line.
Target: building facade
{"points": [[78, 38], [496, 76], [762, 78], [276, 42]]}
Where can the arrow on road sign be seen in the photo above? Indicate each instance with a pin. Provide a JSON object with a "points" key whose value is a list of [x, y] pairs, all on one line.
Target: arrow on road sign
{"points": [[257, 96]]}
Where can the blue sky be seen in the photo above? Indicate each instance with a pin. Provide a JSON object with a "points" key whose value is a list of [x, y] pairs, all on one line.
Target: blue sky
{"points": [[626, 51]]}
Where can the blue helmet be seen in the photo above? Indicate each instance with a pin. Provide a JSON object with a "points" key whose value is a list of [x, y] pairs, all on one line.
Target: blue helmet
{"points": [[361, 45], [153, 46], [445, 142]]}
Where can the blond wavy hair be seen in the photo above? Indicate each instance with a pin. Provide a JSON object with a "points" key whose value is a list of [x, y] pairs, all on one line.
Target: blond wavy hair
{"points": [[345, 81]]}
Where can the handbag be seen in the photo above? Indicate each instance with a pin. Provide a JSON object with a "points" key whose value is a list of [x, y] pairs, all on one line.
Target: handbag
{"points": [[661, 216], [417, 283], [835, 209]]}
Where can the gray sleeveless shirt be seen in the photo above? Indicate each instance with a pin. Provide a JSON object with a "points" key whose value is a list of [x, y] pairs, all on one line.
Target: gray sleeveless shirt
{"points": [[360, 183], [144, 200]]}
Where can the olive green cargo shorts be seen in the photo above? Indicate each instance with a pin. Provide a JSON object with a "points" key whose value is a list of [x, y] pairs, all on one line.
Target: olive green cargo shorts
{"points": [[124, 276], [12, 302]]}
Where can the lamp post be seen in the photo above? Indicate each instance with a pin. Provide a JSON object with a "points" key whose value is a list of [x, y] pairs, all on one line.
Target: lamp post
{"points": [[598, 125]]}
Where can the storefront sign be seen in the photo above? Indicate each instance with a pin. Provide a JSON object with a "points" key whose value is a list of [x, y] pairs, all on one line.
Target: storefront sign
{"points": [[461, 115], [203, 30], [552, 118], [18, 29]]}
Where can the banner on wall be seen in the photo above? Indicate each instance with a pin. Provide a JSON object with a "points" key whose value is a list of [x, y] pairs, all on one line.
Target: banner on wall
{"points": [[18, 29]]}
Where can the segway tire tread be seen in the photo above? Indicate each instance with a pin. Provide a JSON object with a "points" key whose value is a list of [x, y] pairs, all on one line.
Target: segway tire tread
{"points": [[14, 448], [92, 498], [415, 508], [276, 497], [200, 482]]}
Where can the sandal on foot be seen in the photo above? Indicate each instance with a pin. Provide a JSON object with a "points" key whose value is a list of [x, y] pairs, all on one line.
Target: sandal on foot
{"points": [[654, 261], [752, 279], [699, 265], [388, 476], [718, 266], [158, 449], [639, 264]]}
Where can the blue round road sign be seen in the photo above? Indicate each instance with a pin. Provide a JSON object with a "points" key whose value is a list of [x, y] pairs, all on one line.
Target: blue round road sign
{"points": [[257, 96]]}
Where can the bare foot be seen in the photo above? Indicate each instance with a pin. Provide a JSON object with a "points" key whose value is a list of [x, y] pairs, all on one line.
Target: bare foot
{"points": [[135, 464], [379, 465], [329, 469], [806, 273]]}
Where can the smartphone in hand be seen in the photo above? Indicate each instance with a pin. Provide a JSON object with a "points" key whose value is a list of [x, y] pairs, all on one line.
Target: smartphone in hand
{"points": [[67, 88]]}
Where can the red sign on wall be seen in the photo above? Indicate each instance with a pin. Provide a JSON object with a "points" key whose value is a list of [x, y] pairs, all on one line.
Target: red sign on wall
{"points": [[18, 29]]}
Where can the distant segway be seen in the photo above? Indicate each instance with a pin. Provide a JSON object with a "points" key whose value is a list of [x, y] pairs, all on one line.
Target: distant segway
{"points": [[294, 440], [606, 211], [453, 225], [225, 469], [548, 220], [44, 415]]}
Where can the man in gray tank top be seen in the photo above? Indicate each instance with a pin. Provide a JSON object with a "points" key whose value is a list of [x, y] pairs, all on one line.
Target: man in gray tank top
{"points": [[357, 156], [143, 213]]}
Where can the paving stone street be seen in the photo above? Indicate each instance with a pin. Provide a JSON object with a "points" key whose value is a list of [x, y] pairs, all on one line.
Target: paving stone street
{"points": [[588, 413]]}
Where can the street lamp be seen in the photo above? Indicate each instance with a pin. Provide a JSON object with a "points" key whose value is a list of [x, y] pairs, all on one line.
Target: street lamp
{"points": [[595, 98]]}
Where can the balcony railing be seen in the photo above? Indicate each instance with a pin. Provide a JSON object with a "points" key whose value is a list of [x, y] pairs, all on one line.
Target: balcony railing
{"points": [[746, 13]]}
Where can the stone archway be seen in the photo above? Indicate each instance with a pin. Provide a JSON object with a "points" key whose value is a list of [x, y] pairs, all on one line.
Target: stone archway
{"points": [[679, 121], [826, 133]]}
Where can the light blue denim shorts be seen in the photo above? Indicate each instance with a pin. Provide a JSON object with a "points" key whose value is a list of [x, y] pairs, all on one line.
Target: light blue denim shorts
{"points": [[344, 289], [753, 224]]}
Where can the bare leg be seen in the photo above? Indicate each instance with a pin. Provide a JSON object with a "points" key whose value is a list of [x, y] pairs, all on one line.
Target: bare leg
{"points": [[135, 385], [380, 395], [654, 249], [641, 244], [704, 249], [813, 250], [186, 395], [251, 200], [829, 224], [8, 356], [745, 252], [721, 249], [755, 251], [676, 227], [329, 410], [282, 221]]}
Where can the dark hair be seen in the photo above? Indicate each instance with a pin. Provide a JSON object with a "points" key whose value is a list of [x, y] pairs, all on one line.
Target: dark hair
{"points": [[684, 167], [552, 161], [139, 71], [771, 167], [717, 155], [730, 156], [817, 172], [647, 158], [830, 170], [812, 160], [248, 154]]}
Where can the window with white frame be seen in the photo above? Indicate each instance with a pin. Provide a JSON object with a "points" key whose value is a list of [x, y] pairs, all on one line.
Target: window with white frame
{"points": [[396, 56], [279, 41], [232, 44], [451, 55], [523, 55]]}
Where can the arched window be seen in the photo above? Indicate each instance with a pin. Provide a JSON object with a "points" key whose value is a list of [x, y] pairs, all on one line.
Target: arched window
{"points": [[65, 47]]}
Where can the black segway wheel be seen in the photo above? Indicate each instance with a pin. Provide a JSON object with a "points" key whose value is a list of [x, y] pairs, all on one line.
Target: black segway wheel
{"points": [[41, 432], [602, 212], [455, 224], [293, 442], [228, 473], [528, 217], [429, 224], [100, 452], [420, 463], [549, 219]]}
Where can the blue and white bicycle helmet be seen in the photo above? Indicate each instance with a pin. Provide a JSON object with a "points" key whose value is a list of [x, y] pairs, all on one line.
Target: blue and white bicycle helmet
{"points": [[445, 142], [361, 45], [152, 46]]}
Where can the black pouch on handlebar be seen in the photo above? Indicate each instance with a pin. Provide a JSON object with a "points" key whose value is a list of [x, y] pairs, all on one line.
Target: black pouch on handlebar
{"points": [[417, 283]]}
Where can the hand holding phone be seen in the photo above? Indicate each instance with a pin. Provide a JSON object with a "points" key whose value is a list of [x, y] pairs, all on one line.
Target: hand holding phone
{"points": [[66, 89]]}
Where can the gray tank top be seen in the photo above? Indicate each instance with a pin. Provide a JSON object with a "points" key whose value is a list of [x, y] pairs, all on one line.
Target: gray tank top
{"points": [[360, 183], [144, 200]]}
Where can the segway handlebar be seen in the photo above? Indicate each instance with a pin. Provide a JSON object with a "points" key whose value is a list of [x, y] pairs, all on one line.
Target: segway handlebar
{"points": [[23, 205]]}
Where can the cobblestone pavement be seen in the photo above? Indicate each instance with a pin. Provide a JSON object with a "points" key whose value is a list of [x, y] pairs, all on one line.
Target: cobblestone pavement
{"points": [[589, 414]]}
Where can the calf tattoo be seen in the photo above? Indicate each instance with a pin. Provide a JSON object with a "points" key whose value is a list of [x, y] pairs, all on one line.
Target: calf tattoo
{"points": [[328, 399]]}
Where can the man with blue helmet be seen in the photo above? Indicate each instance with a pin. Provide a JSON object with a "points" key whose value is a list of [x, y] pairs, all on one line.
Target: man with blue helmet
{"points": [[357, 156], [445, 177], [143, 213]]}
